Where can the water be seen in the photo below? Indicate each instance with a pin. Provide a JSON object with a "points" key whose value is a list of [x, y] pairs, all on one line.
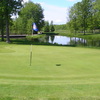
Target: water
{"points": [[64, 40]]}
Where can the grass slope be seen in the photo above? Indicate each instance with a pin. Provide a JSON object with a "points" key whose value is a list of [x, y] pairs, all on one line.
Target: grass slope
{"points": [[77, 77]]}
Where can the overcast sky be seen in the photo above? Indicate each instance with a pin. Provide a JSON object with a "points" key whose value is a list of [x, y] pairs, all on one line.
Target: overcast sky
{"points": [[56, 10]]}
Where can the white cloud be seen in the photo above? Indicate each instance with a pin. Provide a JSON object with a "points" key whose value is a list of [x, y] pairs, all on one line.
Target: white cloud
{"points": [[25, 1], [55, 13]]}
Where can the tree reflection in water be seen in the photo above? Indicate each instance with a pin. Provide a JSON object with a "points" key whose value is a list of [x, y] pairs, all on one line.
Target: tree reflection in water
{"points": [[64, 40]]}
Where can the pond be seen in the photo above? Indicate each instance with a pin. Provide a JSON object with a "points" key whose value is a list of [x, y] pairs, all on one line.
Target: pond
{"points": [[64, 40]]}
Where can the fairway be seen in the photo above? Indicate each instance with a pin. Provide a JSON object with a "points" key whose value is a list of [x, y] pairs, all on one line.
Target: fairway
{"points": [[56, 73]]}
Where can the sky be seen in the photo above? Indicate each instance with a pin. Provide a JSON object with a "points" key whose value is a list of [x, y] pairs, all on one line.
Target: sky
{"points": [[56, 10]]}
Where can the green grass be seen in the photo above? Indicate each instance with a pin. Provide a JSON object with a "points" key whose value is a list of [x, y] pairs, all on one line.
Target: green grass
{"points": [[34, 37], [91, 36], [77, 77]]}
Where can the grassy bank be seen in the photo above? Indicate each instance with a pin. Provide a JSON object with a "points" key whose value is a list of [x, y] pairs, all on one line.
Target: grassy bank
{"points": [[91, 36], [56, 73]]}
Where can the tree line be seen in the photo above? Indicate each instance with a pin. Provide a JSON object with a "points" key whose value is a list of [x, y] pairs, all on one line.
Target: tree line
{"points": [[84, 16], [25, 15], [29, 14], [7, 9], [48, 27]]}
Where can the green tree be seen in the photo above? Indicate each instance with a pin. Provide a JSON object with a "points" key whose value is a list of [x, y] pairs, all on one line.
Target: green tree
{"points": [[75, 17], [86, 12], [18, 26], [97, 14], [52, 29], [31, 13], [29, 26], [47, 27], [81, 16], [9, 7], [2, 21]]}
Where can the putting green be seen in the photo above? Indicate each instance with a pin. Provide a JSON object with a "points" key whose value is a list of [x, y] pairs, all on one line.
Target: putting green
{"points": [[55, 73]]}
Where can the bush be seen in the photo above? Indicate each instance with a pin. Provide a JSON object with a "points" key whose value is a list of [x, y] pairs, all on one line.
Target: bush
{"points": [[34, 37]]}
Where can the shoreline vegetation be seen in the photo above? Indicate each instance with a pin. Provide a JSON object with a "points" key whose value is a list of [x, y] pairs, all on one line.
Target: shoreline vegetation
{"points": [[35, 38], [87, 35]]}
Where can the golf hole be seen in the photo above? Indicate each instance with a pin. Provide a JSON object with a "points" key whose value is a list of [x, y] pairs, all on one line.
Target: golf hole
{"points": [[58, 64]]}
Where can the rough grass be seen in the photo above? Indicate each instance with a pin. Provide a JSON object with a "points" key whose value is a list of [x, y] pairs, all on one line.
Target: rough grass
{"points": [[76, 78], [92, 36]]}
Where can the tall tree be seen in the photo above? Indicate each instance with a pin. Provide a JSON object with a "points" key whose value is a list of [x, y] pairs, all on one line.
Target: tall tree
{"points": [[86, 12], [47, 27], [75, 17], [32, 13], [2, 20], [97, 14], [81, 15], [52, 29], [10, 7]]}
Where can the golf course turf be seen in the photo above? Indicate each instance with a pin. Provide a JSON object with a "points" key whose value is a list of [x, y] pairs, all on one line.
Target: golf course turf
{"points": [[56, 73]]}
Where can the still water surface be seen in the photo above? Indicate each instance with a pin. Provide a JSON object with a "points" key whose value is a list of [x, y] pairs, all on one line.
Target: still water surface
{"points": [[64, 40]]}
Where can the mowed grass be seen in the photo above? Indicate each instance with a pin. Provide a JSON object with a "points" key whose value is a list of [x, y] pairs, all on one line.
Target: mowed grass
{"points": [[56, 73]]}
